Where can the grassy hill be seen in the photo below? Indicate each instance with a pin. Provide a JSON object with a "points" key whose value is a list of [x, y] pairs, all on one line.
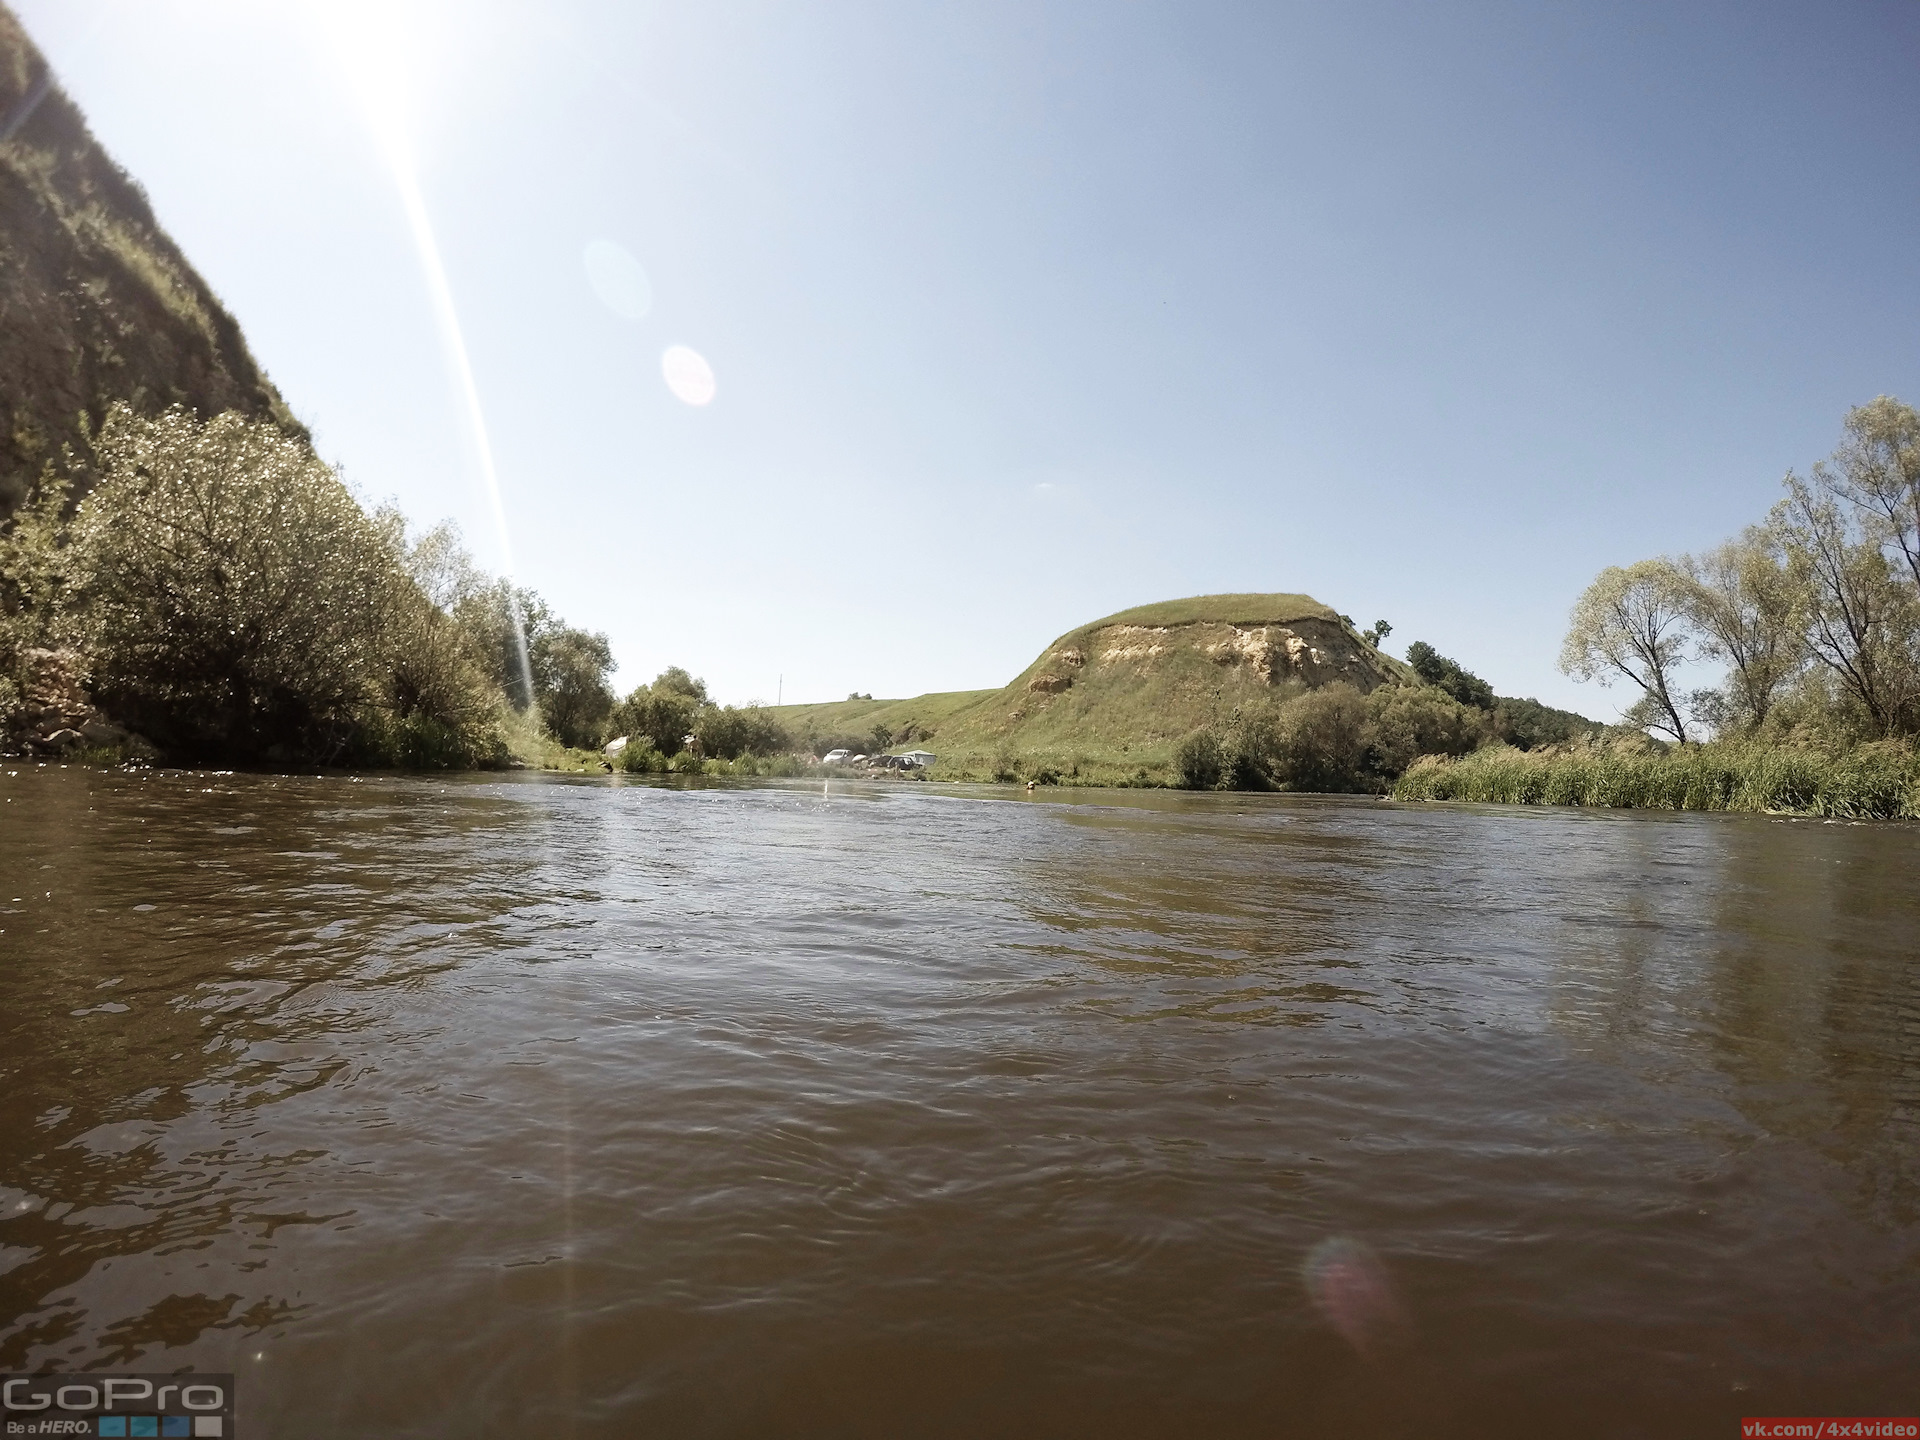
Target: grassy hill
{"points": [[1107, 702], [97, 304]]}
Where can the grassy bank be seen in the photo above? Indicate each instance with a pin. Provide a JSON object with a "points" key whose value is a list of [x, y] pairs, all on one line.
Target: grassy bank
{"points": [[1880, 781]]}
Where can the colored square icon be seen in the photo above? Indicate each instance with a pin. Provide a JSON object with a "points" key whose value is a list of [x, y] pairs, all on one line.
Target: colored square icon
{"points": [[113, 1424], [176, 1425], [143, 1425], [213, 1425]]}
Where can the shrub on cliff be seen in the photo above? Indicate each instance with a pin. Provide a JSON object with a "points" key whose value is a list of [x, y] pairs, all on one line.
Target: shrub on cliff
{"points": [[1437, 670]]}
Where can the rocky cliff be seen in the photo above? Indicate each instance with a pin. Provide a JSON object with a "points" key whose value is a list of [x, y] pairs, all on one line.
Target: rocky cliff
{"points": [[97, 304]]}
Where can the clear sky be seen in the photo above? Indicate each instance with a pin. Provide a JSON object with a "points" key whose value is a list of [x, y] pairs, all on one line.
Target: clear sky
{"points": [[1019, 314]]}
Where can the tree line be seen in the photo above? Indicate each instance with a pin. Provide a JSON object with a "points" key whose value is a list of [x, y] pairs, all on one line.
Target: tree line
{"points": [[230, 600], [1814, 612], [1335, 739]]}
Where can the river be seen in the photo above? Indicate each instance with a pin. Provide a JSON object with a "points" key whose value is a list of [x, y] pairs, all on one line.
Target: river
{"points": [[522, 1106]]}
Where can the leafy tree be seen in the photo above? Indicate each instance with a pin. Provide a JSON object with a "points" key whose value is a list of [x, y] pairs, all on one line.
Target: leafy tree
{"points": [[33, 583], [1320, 741], [1378, 634], [675, 681], [1405, 722], [570, 670], [33, 569], [1198, 761], [1528, 725], [532, 656], [1632, 622], [1877, 469], [1863, 621], [730, 732], [1747, 609], [663, 713], [501, 621], [1437, 670], [235, 600], [1332, 739]]}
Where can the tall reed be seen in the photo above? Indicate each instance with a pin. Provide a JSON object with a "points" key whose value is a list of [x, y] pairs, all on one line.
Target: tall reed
{"points": [[1879, 781]]}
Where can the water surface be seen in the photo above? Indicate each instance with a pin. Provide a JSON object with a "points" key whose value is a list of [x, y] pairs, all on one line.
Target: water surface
{"points": [[489, 1106]]}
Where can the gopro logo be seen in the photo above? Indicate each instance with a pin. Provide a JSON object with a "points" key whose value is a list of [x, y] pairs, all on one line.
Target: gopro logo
{"points": [[200, 1406]]}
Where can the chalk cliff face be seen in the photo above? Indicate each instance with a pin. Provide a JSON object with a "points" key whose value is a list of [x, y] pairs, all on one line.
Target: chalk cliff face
{"points": [[97, 304], [1163, 669], [1309, 652]]}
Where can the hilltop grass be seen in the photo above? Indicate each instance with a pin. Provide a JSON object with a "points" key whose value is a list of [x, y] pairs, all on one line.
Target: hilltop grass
{"points": [[1221, 609], [1879, 781]]}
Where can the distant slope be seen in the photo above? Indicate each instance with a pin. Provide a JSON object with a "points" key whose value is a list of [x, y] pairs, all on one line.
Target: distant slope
{"points": [[1110, 699], [907, 721], [97, 304]]}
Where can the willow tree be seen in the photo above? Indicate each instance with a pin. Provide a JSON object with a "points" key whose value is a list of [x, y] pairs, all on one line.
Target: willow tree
{"points": [[1863, 618], [1747, 609], [1876, 469], [1632, 623]]}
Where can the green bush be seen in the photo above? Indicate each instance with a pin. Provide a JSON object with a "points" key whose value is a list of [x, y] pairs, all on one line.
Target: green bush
{"points": [[1322, 741], [236, 603], [1330, 740], [1528, 725], [665, 711], [34, 565], [1405, 722], [728, 732], [640, 758], [1198, 761], [570, 684]]}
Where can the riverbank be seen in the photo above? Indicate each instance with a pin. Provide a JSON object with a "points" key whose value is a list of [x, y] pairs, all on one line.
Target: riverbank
{"points": [[1878, 781]]}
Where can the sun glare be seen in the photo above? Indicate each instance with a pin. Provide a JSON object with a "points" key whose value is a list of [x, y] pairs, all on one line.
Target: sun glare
{"points": [[368, 46], [689, 376]]}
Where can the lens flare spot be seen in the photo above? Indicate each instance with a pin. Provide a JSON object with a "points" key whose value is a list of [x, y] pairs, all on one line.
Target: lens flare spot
{"points": [[1351, 1288], [689, 376], [618, 279]]}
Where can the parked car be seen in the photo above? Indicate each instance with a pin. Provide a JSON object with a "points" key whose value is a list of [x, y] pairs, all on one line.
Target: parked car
{"points": [[836, 757]]}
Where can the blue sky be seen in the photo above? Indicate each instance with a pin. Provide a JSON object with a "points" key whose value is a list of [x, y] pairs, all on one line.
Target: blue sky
{"points": [[1020, 314]]}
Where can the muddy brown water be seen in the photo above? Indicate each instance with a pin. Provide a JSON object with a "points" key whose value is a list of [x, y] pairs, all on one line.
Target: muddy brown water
{"points": [[487, 1106]]}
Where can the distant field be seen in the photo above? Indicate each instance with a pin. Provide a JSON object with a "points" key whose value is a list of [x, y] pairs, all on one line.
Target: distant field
{"points": [[858, 717]]}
